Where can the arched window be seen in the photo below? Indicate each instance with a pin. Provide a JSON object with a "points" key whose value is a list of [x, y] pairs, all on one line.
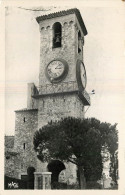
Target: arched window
{"points": [[79, 42], [57, 35]]}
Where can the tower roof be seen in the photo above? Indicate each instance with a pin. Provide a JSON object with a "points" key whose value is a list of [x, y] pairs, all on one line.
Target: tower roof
{"points": [[64, 13]]}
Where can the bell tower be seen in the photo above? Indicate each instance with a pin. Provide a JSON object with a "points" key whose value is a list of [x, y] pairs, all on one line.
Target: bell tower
{"points": [[61, 92], [62, 75]]}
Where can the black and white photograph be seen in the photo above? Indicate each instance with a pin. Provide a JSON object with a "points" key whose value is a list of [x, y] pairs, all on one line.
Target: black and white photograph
{"points": [[64, 96]]}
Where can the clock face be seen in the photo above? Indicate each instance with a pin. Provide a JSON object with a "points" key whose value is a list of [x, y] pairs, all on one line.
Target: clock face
{"points": [[56, 70], [81, 75]]}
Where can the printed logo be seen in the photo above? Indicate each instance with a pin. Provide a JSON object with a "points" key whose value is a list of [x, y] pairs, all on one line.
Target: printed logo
{"points": [[13, 185]]}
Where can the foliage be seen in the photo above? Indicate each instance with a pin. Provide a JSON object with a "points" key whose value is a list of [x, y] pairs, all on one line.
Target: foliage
{"points": [[110, 143], [114, 187], [64, 186], [73, 186], [114, 167], [93, 185], [59, 185], [79, 141]]}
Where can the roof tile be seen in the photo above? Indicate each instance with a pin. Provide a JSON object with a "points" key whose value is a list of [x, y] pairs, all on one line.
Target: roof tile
{"points": [[63, 13]]}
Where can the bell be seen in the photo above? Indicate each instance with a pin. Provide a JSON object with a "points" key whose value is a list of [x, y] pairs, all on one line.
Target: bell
{"points": [[57, 39]]}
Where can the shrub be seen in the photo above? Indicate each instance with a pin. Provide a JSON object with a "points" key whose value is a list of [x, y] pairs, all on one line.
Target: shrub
{"points": [[93, 185], [59, 185]]}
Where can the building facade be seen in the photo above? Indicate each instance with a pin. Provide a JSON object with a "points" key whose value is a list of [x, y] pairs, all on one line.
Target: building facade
{"points": [[61, 93]]}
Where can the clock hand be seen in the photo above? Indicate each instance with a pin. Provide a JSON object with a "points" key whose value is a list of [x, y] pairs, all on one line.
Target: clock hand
{"points": [[58, 67]]}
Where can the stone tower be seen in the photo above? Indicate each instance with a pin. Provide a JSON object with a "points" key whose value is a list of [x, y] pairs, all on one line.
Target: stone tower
{"points": [[62, 76], [61, 92]]}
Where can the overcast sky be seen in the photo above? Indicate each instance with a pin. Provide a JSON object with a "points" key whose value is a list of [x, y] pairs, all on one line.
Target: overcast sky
{"points": [[104, 59]]}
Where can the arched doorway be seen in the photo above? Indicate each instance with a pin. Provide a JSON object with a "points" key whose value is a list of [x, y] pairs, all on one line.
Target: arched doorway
{"points": [[30, 177], [55, 166]]}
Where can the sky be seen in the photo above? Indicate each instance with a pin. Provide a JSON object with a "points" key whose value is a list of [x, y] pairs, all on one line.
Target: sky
{"points": [[104, 59]]}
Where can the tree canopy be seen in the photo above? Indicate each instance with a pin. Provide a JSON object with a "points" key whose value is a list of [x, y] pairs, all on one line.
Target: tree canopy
{"points": [[79, 141]]}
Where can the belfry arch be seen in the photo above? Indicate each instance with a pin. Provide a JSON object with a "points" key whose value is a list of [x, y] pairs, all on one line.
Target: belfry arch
{"points": [[57, 35]]}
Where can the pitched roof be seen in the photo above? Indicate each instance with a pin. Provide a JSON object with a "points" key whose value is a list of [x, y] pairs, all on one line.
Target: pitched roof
{"points": [[9, 141], [64, 13]]}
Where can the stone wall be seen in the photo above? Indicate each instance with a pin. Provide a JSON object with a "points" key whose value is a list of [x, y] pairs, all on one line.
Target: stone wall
{"points": [[69, 49], [50, 107], [26, 125], [59, 106], [12, 164], [31, 102], [54, 108], [70, 173]]}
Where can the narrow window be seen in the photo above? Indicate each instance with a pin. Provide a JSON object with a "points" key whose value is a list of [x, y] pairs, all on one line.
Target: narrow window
{"points": [[7, 157], [57, 33], [79, 42], [24, 146], [22, 166]]}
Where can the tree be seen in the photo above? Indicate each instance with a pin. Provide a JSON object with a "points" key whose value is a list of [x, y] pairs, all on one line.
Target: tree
{"points": [[110, 143], [74, 140]]}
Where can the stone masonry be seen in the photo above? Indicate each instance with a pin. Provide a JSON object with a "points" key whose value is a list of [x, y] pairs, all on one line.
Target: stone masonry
{"points": [[54, 105], [44, 106], [25, 127], [68, 51], [57, 107]]}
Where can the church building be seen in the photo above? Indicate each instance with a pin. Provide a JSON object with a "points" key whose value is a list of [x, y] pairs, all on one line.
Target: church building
{"points": [[61, 93]]}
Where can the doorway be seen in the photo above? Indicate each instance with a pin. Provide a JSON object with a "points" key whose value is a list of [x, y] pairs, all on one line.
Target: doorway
{"points": [[55, 166]]}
